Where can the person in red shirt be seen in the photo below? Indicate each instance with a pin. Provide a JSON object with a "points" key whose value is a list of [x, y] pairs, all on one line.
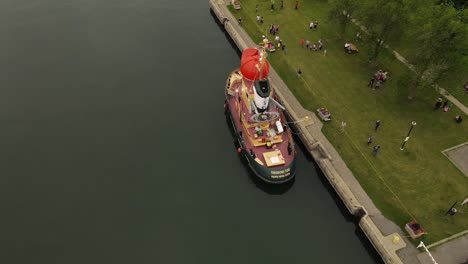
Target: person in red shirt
{"points": [[302, 42], [296, 4]]}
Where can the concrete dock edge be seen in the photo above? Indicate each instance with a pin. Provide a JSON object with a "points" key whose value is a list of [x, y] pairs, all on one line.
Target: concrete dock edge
{"points": [[320, 149]]}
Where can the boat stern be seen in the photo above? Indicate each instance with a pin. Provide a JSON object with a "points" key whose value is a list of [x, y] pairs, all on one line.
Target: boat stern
{"points": [[275, 175]]}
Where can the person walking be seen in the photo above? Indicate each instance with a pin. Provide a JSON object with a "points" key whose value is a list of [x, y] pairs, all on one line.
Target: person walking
{"points": [[371, 82], [438, 104], [369, 140], [296, 4], [299, 72], [377, 85], [320, 44], [343, 126], [307, 43], [302, 43], [256, 8], [240, 21], [377, 124], [375, 150], [282, 4], [445, 105]]}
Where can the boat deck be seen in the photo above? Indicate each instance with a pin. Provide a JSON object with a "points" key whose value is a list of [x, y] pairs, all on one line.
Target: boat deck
{"points": [[258, 136]]}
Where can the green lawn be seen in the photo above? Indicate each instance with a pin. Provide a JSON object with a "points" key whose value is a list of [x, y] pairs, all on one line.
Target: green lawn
{"points": [[418, 182]]}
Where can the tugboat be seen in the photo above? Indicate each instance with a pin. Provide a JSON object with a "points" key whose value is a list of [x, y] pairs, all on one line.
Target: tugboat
{"points": [[260, 127]]}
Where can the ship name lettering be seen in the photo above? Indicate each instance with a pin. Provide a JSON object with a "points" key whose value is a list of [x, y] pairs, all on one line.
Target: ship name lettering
{"points": [[280, 176], [278, 172]]}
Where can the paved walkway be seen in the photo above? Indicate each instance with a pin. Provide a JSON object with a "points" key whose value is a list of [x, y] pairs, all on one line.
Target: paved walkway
{"points": [[452, 252], [459, 156]]}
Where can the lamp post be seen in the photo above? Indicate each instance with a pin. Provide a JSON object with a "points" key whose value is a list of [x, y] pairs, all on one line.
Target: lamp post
{"points": [[427, 250], [407, 136]]}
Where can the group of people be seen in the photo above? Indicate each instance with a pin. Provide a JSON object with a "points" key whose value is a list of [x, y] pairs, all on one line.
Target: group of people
{"points": [[439, 105], [268, 44], [273, 5], [296, 5], [376, 148], [271, 46], [279, 42], [274, 29], [259, 19], [445, 106], [312, 46], [377, 79], [313, 25], [370, 139]]}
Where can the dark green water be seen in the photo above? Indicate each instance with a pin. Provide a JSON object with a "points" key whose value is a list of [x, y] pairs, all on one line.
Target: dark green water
{"points": [[115, 149]]}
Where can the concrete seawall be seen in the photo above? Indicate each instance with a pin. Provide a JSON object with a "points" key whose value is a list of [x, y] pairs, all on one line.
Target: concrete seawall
{"points": [[331, 164]]}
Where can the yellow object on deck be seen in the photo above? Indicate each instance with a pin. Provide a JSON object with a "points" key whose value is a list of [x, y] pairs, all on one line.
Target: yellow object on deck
{"points": [[259, 161], [273, 158], [265, 126]]}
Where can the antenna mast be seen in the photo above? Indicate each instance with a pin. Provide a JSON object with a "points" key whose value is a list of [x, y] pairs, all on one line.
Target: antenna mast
{"points": [[263, 55]]}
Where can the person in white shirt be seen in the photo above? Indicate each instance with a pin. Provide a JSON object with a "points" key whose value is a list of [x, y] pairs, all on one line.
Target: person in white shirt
{"points": [[347, 47]]}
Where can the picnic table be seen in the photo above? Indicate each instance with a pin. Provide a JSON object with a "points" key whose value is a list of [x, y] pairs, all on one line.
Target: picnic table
{"points": [[324, 114], [236, 4]]}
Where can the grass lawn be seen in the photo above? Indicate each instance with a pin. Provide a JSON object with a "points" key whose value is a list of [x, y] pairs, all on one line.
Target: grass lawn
{"points": [[418, 182]]}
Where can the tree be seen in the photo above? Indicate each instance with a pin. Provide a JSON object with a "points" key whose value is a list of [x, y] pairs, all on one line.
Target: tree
{"points": [[442, 36], [385, 20], [342, 11], [459, 4]]}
